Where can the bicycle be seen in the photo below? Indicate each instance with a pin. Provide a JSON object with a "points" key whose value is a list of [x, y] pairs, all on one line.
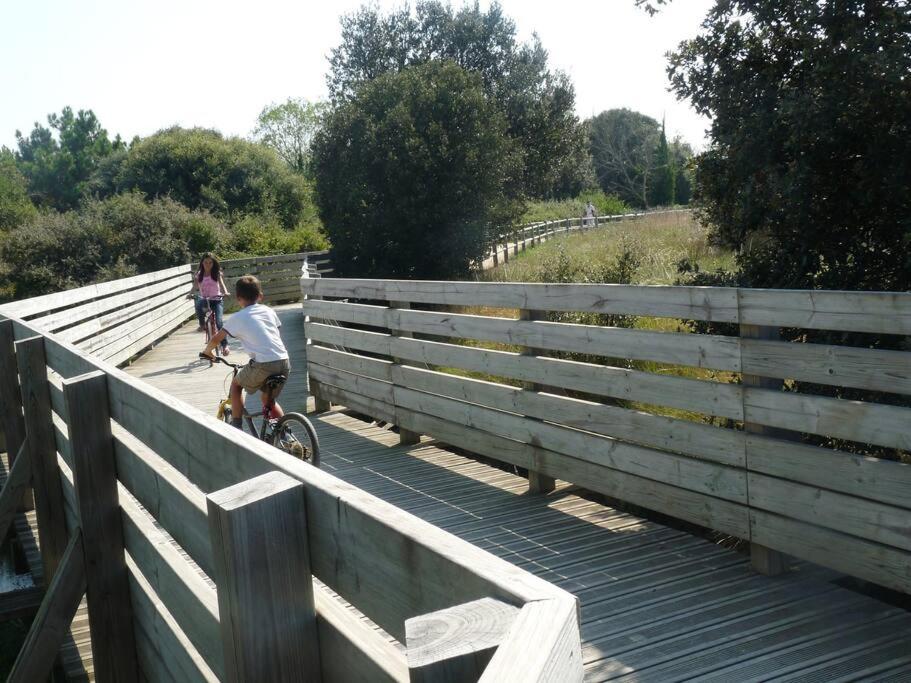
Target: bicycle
{"points": [[210, 324], [292, 433]]}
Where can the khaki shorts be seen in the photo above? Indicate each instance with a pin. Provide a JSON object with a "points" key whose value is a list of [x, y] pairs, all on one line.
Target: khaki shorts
{"points": [[253, 375]]}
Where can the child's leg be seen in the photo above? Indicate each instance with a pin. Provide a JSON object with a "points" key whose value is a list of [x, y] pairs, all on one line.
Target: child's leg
{"points": [[237, 404], [219, 308], [201, 311]]}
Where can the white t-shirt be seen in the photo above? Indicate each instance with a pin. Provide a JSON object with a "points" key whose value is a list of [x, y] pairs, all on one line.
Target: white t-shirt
{"points": [[256, 327]]}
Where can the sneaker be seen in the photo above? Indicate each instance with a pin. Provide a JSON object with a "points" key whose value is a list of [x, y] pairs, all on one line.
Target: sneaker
{"points": [[200, 329], [225, 351]]}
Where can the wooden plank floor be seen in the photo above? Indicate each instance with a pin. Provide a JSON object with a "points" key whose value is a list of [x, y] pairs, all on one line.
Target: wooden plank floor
{"points": [[658, 604]]}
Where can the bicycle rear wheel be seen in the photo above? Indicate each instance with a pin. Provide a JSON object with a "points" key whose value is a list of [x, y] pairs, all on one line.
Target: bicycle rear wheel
{"points": [[294, 434]]}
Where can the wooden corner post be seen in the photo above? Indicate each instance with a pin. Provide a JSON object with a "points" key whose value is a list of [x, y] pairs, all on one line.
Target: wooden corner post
{"points": [[13, 423], [265, 588], [455, 644], [95, 479], [764, 560], [41, 449], [537, 482]]}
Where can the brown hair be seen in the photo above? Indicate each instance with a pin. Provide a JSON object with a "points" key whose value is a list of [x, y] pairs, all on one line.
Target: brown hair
{"points": [[248, 287], [216, 267]]}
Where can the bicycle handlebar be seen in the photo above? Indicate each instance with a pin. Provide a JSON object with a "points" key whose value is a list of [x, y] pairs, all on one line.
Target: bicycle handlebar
{"points": [[218, 359]]}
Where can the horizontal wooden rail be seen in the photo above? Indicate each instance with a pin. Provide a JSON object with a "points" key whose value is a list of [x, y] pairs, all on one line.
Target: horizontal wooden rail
{"points": [[605, 413]]}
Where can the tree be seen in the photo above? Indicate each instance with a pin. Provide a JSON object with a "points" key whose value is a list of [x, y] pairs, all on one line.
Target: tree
{"points": [[412, 174], [59, 167], [623, 144], [204, 170], [538, 103], [662, 189], [15, 206], [807, 173], [682, 159], [289, 128]]}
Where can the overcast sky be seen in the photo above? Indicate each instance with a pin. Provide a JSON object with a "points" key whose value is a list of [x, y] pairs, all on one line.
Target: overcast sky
{"points": [[143, 65]]}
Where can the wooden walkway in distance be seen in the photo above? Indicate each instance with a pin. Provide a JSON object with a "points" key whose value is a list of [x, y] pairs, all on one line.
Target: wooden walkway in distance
{"points": [[658, 604]]}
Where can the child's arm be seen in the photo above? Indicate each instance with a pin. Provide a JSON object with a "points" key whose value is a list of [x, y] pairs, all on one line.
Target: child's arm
{"points": [[221, 283], [215, 341]]}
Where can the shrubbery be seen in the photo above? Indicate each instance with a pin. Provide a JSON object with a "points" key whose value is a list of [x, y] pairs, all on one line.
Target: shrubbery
{"points": [[552, 210]]}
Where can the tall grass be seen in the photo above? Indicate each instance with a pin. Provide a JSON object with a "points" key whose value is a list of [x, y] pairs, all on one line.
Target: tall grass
{"points": [[555, 210], [657, 243]]}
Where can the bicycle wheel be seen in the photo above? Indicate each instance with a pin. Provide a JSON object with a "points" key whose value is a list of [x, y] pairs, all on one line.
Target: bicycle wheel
{"points": [[295, 434], [211, 331]]}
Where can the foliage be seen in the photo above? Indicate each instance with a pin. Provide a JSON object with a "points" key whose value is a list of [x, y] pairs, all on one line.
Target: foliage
{"points": [[58, 167], [103, 239], [538, 103], [807, 174], [289, 128], [258, 235], [554, 209], [15, 206], [204, 170], [623, 144], [682, 159], [413, 172], [662, 190]]}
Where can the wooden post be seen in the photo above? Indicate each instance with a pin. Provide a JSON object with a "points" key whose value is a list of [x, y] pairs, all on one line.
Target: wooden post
{"points": [[764, 560], [95, 479], [537, 482], [515, 243], [455, 644], [11, 402], [406, 436], [265, 588], [320, 404], [41, 449]]}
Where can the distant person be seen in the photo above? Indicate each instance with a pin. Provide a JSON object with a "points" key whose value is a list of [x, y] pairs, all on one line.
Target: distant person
{"points": [[588, 218], [257, 328], [209, 289]]}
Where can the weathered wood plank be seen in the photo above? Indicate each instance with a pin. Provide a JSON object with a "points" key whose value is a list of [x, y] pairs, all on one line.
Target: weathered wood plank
{"points": [[42, 452], [108, 592], [350, 650], [712, 398], [884, 481], [52, 623], [688, 473], [698, 303], [709, 512], [542, 645], [843, 366], [855, 556], [184, 593], [14, 488], [876, 312], [165, 653], [13, 422], [177, 505], [455, 644], [43, 305], [704, 351], [262, 569]]}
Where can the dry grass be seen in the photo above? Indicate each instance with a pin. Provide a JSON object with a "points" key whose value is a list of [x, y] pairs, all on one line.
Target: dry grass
{"points": [[658, 242]]}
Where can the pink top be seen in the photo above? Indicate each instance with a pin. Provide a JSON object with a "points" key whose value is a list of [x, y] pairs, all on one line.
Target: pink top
{"points": [[209, 288]]}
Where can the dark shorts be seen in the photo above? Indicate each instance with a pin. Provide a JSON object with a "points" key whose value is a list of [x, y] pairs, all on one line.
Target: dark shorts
{"points": [[253, 375]]}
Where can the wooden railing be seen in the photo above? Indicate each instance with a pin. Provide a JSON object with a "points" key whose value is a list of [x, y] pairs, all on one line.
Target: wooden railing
{"points": [[114, 321], [195, 545], [606, 414], [524, 236]]}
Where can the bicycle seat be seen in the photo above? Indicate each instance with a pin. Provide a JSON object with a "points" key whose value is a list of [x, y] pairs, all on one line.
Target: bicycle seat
{"points": [[275, 381]]}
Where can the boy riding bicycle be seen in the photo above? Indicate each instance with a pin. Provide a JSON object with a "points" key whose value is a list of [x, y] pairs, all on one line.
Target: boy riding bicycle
{"points": [[257, 328]]}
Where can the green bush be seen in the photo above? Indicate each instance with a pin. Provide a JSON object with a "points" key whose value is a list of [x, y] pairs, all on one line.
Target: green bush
{"points": [[257, 235], [15, 206], [102, 240], [202, 169]]}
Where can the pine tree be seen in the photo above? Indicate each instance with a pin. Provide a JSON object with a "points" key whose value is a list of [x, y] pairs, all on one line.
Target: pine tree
{"points": [[662, 190]]}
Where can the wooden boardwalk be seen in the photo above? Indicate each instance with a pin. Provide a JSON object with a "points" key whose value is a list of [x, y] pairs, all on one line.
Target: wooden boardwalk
{"points": [[658, 604]]}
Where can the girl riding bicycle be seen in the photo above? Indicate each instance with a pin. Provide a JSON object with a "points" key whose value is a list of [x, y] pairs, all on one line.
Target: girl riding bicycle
{"points": [[209, 288]]}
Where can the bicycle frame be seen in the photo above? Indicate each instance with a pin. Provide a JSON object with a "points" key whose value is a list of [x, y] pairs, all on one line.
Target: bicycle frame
{"points": [[268, 401]]}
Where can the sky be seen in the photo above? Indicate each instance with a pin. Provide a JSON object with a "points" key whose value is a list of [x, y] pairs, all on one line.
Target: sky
{"points": [[144, 65]]}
